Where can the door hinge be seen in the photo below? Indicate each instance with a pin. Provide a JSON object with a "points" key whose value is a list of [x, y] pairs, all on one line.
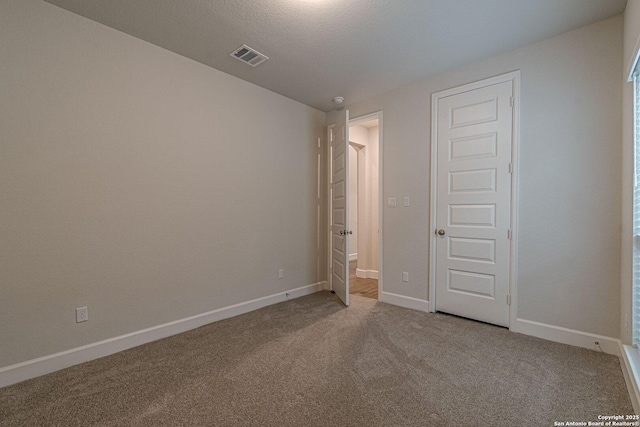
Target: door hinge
{"points": [[510, 167], [508, 299], [511, 102], [509, 234]]}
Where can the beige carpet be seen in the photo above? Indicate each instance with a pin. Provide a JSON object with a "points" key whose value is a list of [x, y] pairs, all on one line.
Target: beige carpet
{"points": [[312, 362]]}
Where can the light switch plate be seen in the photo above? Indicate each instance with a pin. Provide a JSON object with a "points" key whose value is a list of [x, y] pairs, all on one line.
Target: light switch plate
{"points": [[392, 202], [405, 276], [406, 201]]}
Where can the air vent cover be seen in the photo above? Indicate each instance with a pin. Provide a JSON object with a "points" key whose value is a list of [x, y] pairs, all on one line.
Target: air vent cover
{"points": [[248, 55]]}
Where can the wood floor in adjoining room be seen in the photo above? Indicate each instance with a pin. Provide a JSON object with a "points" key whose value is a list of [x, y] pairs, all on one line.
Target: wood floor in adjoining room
{"points": [[367, 288]]}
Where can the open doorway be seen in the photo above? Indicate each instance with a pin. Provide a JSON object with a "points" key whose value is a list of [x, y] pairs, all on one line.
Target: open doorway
{"points": [[364, 206]]}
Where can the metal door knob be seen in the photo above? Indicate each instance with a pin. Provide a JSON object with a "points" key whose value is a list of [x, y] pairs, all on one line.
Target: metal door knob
{"points": [[350, 232], [441, 232], [341, 232]]}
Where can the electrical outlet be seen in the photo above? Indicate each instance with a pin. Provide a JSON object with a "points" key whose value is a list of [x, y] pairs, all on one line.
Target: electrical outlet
{"points": [[406, 202], [281, 274], [82, 314], [405, 276]]}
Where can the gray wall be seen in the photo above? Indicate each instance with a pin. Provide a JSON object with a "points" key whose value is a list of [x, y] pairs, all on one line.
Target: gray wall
{"points": [[141, 184], [569, 222]]}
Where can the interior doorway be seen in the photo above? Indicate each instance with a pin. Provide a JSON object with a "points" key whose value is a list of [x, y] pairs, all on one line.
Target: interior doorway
{"points": [[364, 206]]}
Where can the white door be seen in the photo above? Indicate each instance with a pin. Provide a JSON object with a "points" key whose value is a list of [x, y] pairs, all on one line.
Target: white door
{"points": [[473, 207], [339, 139]]}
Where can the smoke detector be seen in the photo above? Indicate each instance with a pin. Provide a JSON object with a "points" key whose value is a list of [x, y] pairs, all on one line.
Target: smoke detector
{"points": [[249, 55], [338, 100]]}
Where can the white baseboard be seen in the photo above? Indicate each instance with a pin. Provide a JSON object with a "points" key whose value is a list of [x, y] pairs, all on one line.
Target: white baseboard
{"points": [[353, 257], [404, 301], [44, 365], [567, 336], [630, 364], [366, 274]]}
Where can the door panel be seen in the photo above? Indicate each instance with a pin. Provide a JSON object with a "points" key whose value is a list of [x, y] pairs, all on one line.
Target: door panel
{"points": [[473, 147], [473, 284], [472, 113], [479, 250], [480, 180], [473, 207], [339, 139], [472, 216]]}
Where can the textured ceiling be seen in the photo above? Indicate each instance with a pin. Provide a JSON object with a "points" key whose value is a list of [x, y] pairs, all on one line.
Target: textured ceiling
{"points": [[353, 48]]}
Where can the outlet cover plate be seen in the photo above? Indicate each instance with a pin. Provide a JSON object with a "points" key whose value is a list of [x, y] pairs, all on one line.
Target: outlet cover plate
{"points": [[82, 314]]}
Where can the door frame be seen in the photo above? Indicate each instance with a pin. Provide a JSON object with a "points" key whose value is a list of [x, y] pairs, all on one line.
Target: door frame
{"points": [[360, 172], [514, 78], [355, 121]]}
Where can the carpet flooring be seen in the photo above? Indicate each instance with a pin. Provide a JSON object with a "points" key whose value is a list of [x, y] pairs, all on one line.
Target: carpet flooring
{"points": [[313, 362]]}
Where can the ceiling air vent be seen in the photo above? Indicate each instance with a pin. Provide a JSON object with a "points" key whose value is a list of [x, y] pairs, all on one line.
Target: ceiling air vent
{"points": [[251, 56]]}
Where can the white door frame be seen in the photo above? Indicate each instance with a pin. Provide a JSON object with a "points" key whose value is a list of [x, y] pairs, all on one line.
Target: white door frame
{"points": [[356, 121], [360, 156], [513, 77]]}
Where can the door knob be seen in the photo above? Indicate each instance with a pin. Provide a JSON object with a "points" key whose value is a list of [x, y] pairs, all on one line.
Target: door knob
{"points": [[350, 232], [341, 232], [441, 232]]}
